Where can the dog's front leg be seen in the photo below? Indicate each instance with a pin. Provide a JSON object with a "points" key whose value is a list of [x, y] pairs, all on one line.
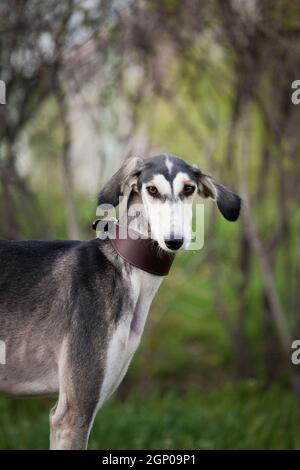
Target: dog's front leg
{"points": [[80, 379], [70, 425]]}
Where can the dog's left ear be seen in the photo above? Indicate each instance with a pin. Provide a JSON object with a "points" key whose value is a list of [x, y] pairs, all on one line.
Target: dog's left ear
{"points": [[228, 202], [124, 179]]}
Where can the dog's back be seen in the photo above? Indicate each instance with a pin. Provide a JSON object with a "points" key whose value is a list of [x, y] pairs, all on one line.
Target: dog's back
{"points": [[29, 273]]}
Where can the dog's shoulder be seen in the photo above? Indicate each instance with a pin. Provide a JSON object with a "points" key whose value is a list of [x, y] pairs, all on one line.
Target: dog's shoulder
{"points": [[93, 258], [84, 264]]}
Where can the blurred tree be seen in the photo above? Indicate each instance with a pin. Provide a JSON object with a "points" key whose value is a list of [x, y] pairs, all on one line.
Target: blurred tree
{"points": [[35, 43]]}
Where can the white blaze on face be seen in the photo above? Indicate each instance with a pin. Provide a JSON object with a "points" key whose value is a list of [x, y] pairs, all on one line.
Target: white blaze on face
{"points": [[182, 209], [169, 165], [169, 215]]}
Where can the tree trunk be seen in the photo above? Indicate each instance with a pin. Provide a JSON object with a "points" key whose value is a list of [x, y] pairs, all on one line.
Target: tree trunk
{"points": [[71, 218]]}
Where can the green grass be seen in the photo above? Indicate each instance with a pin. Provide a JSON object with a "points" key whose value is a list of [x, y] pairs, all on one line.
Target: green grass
{"points": [[235, 417]]}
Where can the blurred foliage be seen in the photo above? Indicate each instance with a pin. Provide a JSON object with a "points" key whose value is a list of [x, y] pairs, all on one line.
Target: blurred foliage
{"points": [[210, 82]]}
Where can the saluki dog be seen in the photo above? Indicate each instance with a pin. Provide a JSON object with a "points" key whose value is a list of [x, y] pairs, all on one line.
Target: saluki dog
{"points": [[72, 313]]}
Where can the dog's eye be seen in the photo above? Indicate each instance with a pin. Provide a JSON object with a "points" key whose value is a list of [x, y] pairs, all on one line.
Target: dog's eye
{"points": [[188, 189], [152, 190]]}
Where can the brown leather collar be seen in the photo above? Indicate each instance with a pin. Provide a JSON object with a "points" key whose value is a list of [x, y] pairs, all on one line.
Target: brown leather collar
{"points": [[143, 253]]}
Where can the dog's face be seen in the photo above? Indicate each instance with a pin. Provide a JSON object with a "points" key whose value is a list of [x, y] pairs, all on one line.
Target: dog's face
{"points": [[166, 186]]}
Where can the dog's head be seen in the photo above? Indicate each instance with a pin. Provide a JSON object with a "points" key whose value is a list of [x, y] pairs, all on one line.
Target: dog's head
{"points": [[166, 187]]}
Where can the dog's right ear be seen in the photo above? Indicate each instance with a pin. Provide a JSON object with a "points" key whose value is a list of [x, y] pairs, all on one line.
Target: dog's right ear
{"points": [[124, 179]]}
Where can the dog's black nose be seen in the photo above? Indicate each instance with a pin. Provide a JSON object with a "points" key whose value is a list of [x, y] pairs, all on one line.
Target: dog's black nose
{"points": [[174, 243]]}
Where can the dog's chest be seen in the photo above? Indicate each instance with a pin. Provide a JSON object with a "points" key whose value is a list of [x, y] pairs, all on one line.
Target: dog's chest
{"points": [[126, 336]]}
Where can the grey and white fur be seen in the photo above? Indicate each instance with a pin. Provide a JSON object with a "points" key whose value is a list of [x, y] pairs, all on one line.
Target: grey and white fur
{"points": [[72, 313]]}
